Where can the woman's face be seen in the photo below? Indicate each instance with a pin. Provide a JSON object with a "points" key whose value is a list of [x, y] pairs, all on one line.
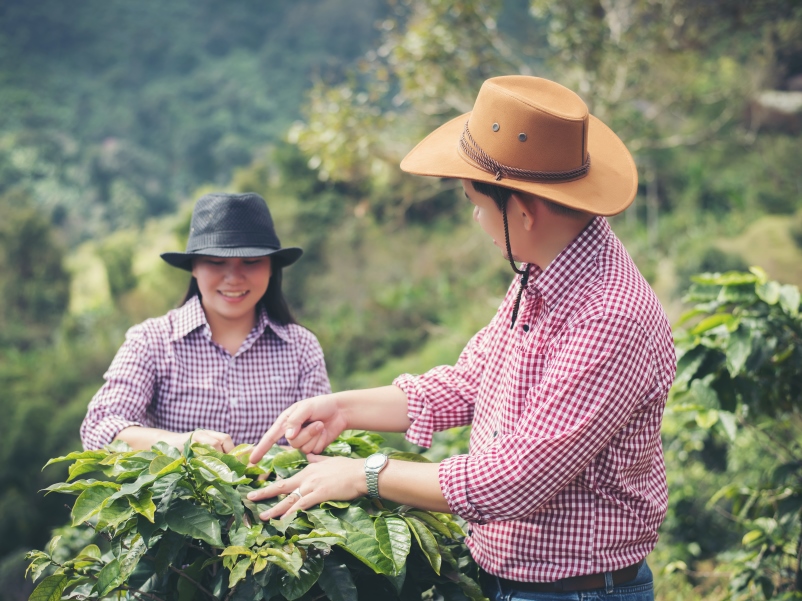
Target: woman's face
{"points": [[231, 287]]}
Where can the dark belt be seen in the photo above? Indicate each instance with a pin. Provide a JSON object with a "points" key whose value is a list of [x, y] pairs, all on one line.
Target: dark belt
{"points": [[574, 583]]}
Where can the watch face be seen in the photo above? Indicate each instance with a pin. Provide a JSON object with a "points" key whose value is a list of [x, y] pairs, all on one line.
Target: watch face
{"points": [[375, 461]]}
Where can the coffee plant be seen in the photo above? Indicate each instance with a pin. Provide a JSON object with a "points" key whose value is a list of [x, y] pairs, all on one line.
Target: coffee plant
{"points": [[178, 526]]}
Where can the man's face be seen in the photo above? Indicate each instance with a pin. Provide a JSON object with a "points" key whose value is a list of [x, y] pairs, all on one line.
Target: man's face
{"points": [[487, 214]]}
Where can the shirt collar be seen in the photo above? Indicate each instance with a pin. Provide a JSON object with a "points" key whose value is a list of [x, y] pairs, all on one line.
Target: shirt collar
{"points": [[190, 317], [572, 265]]}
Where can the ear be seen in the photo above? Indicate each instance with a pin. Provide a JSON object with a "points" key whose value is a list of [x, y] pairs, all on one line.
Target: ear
{"points": [[526, 208]]}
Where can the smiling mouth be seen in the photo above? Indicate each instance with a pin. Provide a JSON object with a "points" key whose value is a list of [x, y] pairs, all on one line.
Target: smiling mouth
{"points": [[228, 294]]}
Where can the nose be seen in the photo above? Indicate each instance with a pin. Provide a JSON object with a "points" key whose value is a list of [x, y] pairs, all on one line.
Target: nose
{"points": [[234, 270]]}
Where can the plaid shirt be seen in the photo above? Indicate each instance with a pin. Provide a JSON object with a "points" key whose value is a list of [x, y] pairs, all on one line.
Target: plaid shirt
{"points": [[565, 473], [169, 374]]}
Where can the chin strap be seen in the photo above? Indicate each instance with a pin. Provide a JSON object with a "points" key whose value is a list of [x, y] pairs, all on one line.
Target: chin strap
{"points": [[524, 273]]}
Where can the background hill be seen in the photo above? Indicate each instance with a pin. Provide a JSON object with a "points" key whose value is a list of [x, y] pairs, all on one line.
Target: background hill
{"points": [[115, 116]]}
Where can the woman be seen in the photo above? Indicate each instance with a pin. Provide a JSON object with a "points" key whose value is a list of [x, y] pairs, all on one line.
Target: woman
{"points": [[220, 368]]}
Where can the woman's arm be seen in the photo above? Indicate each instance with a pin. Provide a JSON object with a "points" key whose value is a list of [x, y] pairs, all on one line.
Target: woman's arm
{"points": [[142, 438]]}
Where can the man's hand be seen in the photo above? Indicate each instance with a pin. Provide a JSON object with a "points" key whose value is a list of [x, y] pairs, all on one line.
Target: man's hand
{"points": [[309, 425], [219, 441]]}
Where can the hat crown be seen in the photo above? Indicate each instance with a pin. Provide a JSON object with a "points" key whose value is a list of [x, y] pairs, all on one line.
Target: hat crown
{"points": [[530, 123], [231, 221]]}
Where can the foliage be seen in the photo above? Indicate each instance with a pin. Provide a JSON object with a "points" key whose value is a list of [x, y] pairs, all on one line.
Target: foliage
{"points": [[180, 526], [739, 378], [34, 286]]}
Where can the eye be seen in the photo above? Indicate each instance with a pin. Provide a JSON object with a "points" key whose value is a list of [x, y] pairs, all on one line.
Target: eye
{"points": [[253, 261]]}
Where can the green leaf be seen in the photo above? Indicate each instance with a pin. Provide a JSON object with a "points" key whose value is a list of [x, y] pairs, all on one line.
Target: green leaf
{"points": [[169, 547], [287, 463], [426, 541], [186, 588], [90, 502], [187, 518], [752, 537], [129, 559], [167, 449], [164, 465], [729, 424], [336, 582], [290, 562], [79, 486], [292, 588], [432, 522], [50, 588], [109, 578], [739, 347], [90, 551], [238, 571], [144, 505], [231, 499], [703, 394], [394, 539], [221, 472], [769, 292], [132, 488], [82, 466], [114, 513], [244, 535], [706, 419], [321, 518], [98, 455], [729, 278], [789, 300], [713, 321]]}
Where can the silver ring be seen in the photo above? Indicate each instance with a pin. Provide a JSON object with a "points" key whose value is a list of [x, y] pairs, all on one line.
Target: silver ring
{"points": [[297, 491]]}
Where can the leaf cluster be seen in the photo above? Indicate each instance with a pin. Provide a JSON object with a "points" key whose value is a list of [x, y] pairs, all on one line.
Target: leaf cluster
{"points": [[739, 377], [179, 526]]}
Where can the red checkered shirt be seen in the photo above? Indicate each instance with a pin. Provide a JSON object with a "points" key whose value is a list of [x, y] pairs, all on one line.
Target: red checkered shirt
{"points": [[565, 472], [169, 374]]}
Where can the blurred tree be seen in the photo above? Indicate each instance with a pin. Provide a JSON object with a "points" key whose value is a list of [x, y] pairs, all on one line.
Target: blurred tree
{"points": [[34, 287]]}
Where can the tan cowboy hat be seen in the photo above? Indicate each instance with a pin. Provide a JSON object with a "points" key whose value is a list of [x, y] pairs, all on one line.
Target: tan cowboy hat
{"points": [[536, 136]]}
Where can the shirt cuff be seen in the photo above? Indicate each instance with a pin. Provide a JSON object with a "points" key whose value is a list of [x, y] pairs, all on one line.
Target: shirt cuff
{"points": [[419, 412], [453, 477]]}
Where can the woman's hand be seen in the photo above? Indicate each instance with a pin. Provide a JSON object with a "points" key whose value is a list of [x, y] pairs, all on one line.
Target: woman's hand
{"points": [[309, 425], [324, 479]]}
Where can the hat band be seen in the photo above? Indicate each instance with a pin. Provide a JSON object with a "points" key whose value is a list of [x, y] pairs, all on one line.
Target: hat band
{"points": [[487, 163]]}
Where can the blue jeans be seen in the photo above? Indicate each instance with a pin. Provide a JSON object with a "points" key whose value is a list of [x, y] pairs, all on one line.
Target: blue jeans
{"points": [[640, 588]]}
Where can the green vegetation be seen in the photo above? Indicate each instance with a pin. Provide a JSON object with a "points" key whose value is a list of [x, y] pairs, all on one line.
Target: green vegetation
{"points": [[113, 119], [180, 526]]}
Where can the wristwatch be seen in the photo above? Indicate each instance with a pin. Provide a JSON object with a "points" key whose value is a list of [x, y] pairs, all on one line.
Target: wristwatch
{"points": [[373, 465]]}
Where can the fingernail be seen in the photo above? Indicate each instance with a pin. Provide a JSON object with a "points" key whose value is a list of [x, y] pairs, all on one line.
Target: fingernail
{"points": [[251, 496], [289, 432], [265, 515]]}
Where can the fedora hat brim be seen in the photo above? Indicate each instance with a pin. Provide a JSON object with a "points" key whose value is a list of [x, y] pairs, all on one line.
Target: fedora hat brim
{"points": [[608, 188], [281, 257]]}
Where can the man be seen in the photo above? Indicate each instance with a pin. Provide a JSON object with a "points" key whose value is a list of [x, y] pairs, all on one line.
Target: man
{"points": [[564, 485]]}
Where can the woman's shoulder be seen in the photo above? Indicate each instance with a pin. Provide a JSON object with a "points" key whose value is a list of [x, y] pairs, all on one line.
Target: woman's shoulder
{"points": [[163, 327], [298, 334]]}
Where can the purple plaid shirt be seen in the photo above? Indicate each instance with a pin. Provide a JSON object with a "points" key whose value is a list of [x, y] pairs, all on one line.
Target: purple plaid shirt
{"points": [[565, 472], [169, 374]]}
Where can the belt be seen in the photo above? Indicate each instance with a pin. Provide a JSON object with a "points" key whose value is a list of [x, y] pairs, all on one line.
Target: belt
{"points": [[574, 583]]}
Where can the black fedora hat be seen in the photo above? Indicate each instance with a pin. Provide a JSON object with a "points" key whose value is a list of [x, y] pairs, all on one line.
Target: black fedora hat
{"points": [[232, 225]]}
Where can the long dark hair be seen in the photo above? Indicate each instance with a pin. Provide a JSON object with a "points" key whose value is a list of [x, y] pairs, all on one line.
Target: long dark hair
{"points": [[272, 300]]}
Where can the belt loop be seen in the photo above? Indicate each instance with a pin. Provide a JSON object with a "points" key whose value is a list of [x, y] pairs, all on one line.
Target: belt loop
{"points": [[608, 582]]}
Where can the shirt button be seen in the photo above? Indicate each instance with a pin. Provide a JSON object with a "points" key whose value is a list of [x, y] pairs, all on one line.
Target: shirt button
{"points": [[525, 327], [495, 433], [232, 361]]}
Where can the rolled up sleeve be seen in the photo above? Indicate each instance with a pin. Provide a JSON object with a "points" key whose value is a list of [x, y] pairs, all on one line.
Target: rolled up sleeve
{"points": [[598, 374], [124, 399]]}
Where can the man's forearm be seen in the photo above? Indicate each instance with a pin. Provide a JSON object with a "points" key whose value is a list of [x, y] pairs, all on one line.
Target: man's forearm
{"points": [[383, 409]]}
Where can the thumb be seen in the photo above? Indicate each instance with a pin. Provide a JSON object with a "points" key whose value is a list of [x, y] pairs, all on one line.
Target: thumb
{"points": [[313, 458]]}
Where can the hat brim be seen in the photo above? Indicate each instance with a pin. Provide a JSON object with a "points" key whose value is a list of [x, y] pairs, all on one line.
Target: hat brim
{"points": [[281, 257], [608, 188]]}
